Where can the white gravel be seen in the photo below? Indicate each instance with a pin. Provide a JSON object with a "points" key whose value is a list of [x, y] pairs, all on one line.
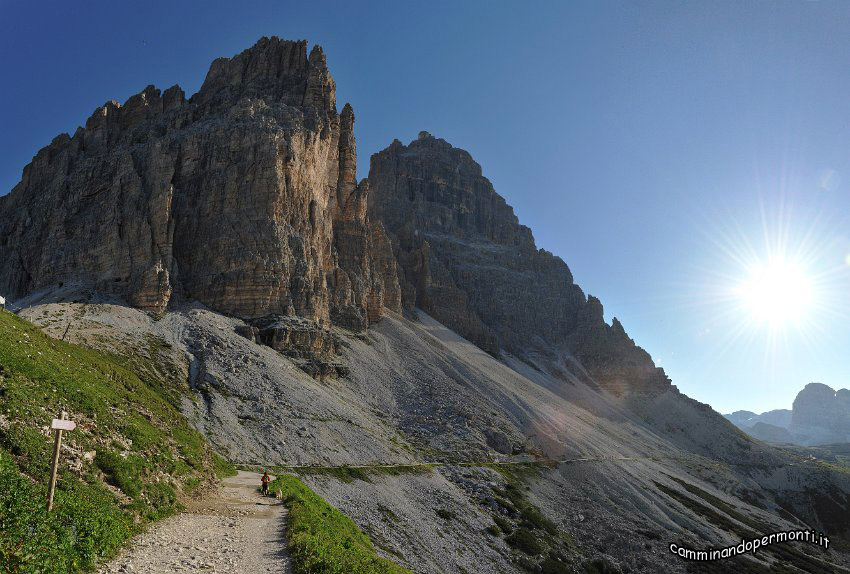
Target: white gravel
{"points": [[234, 531]]}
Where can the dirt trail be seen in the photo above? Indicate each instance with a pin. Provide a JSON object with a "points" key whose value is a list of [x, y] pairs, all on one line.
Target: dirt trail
{"points": [[233, 531]]}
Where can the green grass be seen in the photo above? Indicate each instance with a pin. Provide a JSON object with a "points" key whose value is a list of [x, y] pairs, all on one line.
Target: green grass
{"points": [[223, 467], [322, 540], [135, 455], [85, 525], [349, 474]]}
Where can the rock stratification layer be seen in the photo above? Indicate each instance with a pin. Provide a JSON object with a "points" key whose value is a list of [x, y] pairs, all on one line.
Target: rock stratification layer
{"points": [[243, 197], [464, 258]]}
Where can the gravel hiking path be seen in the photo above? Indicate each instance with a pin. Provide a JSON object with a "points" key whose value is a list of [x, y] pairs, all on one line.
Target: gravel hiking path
{"points": [[235, 530]]}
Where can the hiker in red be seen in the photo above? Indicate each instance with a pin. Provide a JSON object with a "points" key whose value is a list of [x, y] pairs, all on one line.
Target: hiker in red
{"points": [[266, 480]]}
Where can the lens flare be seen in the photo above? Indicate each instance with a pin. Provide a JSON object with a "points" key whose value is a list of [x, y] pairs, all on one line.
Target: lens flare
{"points": [[777, 292], [773, 285]]}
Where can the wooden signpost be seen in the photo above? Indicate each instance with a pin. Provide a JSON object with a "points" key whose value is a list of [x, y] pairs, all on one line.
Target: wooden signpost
{"points": [[58, 425]]}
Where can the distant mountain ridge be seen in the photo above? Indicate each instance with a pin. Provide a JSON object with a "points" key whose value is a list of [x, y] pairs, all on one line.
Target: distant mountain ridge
{"points": [[777, 417], [820, 415]]}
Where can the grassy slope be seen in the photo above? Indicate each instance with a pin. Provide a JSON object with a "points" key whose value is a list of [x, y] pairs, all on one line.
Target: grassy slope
{"points": [[322, 540], [133, 455]]}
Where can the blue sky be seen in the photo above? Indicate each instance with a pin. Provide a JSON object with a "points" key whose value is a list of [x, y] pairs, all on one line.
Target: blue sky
{"points": [[655, 146]]}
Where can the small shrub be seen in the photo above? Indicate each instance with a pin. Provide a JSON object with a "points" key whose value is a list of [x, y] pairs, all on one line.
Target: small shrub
{"points": [[503, 524], [555, 565], [600, 565], [532, 516], [445, 514], [524, 540], [387, 513], [514, 494], [123, 472], [506, 504]]}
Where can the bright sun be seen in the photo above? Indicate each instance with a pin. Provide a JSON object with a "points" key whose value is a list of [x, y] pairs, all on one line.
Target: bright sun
{"points": [[776, 292]]}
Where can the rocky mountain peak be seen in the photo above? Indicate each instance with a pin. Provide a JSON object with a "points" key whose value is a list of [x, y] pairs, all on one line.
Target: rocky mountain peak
{"points": [[239, 198], [822, 407], [455, 198], [245, 198], [464, 258], [275, 70]]}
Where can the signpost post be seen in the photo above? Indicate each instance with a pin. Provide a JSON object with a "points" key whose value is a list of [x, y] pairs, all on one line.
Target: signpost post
{"points": [[58, 425]]}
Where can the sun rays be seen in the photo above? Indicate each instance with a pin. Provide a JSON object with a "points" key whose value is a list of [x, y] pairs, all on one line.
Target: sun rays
{"points": [[777, 293], [773, 286]]}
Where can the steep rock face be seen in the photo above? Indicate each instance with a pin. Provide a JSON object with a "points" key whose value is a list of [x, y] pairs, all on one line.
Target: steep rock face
{"points": [[609, 355], [821, 415], [243, 197], [464, 258]]}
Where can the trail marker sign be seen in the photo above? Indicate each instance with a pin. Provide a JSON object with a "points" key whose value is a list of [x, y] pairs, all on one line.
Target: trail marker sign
{"points": [[58, 425]]}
